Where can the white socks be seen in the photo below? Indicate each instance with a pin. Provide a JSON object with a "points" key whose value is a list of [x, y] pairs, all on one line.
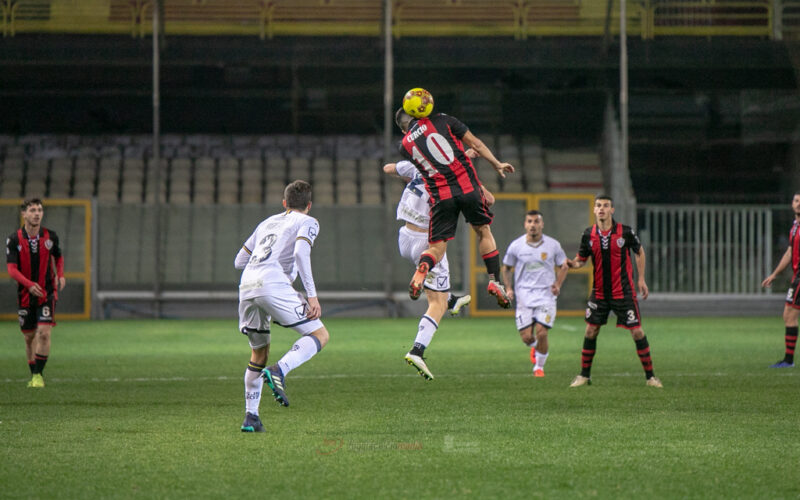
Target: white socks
{"points": [[253, 382], [427, 327], [541, 359], [304, 349]]}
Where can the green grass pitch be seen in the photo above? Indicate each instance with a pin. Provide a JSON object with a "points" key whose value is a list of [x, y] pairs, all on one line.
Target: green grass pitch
{"points": [[152, 409]]}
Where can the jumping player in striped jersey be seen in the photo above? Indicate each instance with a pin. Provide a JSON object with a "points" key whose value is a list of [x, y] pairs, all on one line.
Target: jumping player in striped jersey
{"points": [[34, 261], [535, 285], [791, 310], [278, 250], [435, 144], [609, 244], [413, 210]]}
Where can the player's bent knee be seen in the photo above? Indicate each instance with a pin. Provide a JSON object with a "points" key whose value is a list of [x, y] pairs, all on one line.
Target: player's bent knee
{"points": [[790, 316], [322, 336], [592, 331], [258, 340], [43, 334], [637, 333]]}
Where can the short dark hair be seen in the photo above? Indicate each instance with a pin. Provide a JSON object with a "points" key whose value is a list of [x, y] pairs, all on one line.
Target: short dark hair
{"points": [[403, 119], [604, 197], [28, 202], [297, 195], [533, 213]]}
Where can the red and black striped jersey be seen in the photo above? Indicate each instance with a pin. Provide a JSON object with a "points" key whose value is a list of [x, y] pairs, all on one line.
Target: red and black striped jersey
{"points": [[794, 244], [35, 258], [610, 253], [434, 145]]}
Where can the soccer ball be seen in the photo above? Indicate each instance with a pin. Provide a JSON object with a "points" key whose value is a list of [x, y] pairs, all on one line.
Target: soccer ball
{"points": [[418, 103]]}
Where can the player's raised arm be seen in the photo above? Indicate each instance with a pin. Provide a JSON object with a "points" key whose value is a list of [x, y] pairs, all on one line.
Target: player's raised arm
{"points": [[390, 169], [483, 151]]}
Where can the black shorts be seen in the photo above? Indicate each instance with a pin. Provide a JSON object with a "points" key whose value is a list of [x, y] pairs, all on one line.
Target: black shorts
{"points": [[626, 310], [37, 314], [793, 294], [444, 214]]}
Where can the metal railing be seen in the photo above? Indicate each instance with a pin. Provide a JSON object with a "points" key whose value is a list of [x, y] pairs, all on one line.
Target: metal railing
{"points": [[707, 249]]}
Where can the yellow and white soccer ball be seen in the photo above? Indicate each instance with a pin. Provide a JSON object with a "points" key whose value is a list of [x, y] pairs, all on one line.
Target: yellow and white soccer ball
{"points": [[418, 102]]}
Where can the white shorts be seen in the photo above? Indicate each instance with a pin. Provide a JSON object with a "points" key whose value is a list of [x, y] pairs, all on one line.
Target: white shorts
{"points": [[412, 244], [544, 314], [284, 305], [254, 322]]}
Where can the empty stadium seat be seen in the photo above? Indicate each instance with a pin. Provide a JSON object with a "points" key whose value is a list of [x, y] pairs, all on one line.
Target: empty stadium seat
{"points": [[132, 180], [491, 182], [11, 178], [276, 167], [15, 151], [108, 179], [60, 177], [346, 194], [574, 170], [36, 177], [252, 180], [13, 169], [370, 181], [533, 171], [323, 193], [85, 170], [513, 183], [299, 168], [204, 181], [228, 180], [180, 180], [274, 191], [150, 181]]}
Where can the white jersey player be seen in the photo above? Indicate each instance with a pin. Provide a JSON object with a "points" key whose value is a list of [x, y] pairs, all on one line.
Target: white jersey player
{"points": [[277, 251], [535, 285]]}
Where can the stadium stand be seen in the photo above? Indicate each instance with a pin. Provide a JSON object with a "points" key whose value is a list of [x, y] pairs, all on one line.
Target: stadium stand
{"points": [[519, 19], [573, 171], [231, 170]]}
